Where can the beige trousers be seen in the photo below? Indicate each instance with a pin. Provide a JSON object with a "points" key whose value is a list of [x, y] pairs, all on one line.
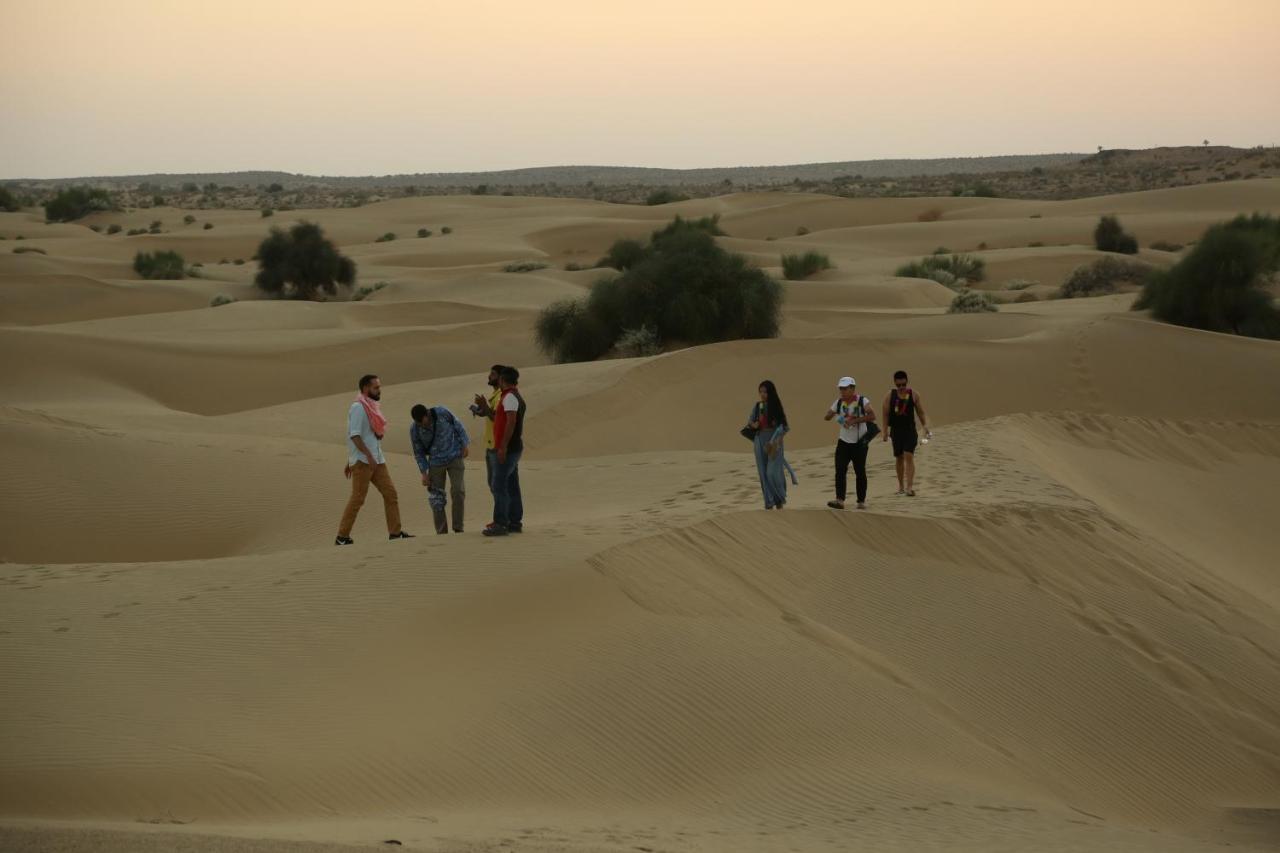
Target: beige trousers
{"points": [[362, 474]]}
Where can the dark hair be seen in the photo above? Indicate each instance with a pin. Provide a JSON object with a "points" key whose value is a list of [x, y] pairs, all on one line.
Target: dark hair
{"points": [[497, 368], [367, 380], [777, 414], [510, 375], [417, 412], [899, 374]]}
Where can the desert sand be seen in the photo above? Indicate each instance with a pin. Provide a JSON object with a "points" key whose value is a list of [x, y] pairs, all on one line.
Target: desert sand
{"points": [[1068, 641]]}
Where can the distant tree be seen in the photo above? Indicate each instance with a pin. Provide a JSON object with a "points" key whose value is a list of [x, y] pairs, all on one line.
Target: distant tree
{"points": [[1110, 236], [7, 201], [73, 203], [664, 196], [481, 189], [266, 211], [161, 265], [190, 188], [157, 201], [275, 188], [301, 262]]}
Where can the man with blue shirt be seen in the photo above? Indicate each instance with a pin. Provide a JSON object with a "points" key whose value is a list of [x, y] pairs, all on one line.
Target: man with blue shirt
{"points": [[440, 444]]}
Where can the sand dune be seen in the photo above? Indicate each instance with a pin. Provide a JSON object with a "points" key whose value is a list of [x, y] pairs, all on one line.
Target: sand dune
{"points": [[1069, 640]]}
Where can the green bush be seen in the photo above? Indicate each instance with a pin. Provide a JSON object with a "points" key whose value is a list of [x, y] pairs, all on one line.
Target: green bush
{"points": [[573, 266], [266, 211], [76, 202], [684, 287], [1110, 236], [972, 302], [113, 228], [1163, 246], [664, 196], [96, 229], [799, 267], [385, 238], [445, 229], [7, 201], [1103, 276], [1019, 284], [301, 262], [424, 232], [188, 220], [524, 266], [208, 226], [638, 343], [945, 269], [801, 231], [22, 250], [1222, 283], [221, 299], [238, 262], [134, 232], [1027, 296], [155, 227], [160, 265], [623, 255]]}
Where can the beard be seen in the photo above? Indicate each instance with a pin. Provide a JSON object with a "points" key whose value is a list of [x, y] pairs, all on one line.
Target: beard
{"points": [[375, 395]]}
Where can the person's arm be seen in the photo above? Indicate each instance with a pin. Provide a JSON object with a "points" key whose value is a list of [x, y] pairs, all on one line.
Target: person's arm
{"points": [[920, 412], [368, 454], [888, 426], [868, 413], [505, 440], [354, 428], [419, 451], [831, 412]]}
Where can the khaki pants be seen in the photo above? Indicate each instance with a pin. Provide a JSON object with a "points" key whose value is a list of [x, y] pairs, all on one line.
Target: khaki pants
{"points": [[361, 476], [457, 493]]}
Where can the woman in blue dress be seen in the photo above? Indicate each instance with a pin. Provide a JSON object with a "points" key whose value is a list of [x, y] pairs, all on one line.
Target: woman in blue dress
{"points": [[770, 419]]}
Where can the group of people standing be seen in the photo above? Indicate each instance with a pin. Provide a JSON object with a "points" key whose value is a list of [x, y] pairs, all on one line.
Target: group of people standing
{"points": [[441, 446], [767, 425]]}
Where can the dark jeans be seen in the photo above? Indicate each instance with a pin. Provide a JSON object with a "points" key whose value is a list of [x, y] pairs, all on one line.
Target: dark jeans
{"points": [[857, 454], [490, 456], [508, 506]]}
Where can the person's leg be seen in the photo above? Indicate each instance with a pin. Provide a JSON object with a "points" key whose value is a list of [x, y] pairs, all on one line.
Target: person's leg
{"points": [[390, 500], [899, 464], [489, 457], [361, 473], [762, 460], [860, 470], [458, 491], [842, 469], [777, 478], [436, 498], [515, 500], [909, 463], [501, 493]]}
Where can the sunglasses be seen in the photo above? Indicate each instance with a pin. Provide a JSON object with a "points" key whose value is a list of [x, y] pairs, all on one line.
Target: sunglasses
{"points": [[901, 384]]}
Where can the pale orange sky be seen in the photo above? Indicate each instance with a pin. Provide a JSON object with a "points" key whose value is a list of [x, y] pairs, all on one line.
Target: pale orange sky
{"points": [[98, 87]]}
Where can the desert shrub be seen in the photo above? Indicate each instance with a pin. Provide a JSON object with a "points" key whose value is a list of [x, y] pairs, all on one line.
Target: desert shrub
{"points": [[113, 228], [1103, 276], [7, 200], [188, 220], [134, 232], [623, 255], [386, 238], [1019, 284], [941, 250], [799, 267], [157, 201], [972, 302], [709, 224], [159, 265], [524, 266], [75, 202], [1037, 215], [1110, 236], [301, 262], [155, 226], [238, 262], [221, 299], [933, 214], [1027, 296], [960, 266], [22, 250], [1222, 283], [424, 232], [980, 190], [638, 343], [574, 266], [1035, 244], [208, 226], [683, 287], [664, 196], [266, 211], [96, 229], [445, 229], [801, 231], [1163, 246]]}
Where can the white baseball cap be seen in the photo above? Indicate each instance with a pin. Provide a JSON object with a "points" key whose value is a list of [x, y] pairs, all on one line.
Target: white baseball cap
{"points": [[846, 382]]}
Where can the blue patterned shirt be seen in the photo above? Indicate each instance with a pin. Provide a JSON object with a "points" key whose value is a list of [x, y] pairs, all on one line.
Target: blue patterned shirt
{"points": [[440, 443]]}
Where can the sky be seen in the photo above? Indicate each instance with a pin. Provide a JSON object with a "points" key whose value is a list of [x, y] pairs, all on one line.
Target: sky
{"points": [[113, 87]]}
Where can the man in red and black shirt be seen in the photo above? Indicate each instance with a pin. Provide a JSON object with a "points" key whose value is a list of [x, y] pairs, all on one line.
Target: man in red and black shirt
{"points": [[508, 445]]}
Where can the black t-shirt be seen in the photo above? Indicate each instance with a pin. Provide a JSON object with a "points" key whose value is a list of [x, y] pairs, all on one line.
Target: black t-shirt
{"points": [[902, 413]]}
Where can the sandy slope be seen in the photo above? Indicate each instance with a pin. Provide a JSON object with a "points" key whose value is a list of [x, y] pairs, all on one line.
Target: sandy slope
{"points": [[1067, 641]]}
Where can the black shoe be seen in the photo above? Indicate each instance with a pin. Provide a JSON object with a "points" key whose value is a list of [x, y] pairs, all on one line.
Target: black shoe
{"points": [[344, 540], [401, 535], [496, 530], [515, 528]]}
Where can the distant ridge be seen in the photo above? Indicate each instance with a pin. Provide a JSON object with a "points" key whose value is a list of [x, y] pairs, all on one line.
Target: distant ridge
{"points": [[578, 175]]}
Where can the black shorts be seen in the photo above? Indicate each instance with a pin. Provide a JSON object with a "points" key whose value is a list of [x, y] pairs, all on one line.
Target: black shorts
{"points": [[904, 442]]}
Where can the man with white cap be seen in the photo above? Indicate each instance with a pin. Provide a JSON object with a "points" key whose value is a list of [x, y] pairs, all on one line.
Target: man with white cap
{"points": [[853, 412]]}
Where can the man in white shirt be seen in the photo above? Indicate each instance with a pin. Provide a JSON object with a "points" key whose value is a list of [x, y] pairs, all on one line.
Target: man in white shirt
{"points": [[365, 463], [853, 412]]}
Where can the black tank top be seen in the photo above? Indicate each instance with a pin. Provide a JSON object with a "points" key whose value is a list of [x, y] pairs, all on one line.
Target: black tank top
{"points": [[902, 413]]}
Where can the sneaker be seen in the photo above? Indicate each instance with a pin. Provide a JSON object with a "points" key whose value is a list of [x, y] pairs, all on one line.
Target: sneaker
{"points": [[401, 535], [515, 528], [862, 504], [836, 504], [344, 540], [457, 530], [495, 530]]}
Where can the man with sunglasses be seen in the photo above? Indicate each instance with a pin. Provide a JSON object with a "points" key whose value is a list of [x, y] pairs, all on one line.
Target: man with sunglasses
{"points": [[902, 407]]}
